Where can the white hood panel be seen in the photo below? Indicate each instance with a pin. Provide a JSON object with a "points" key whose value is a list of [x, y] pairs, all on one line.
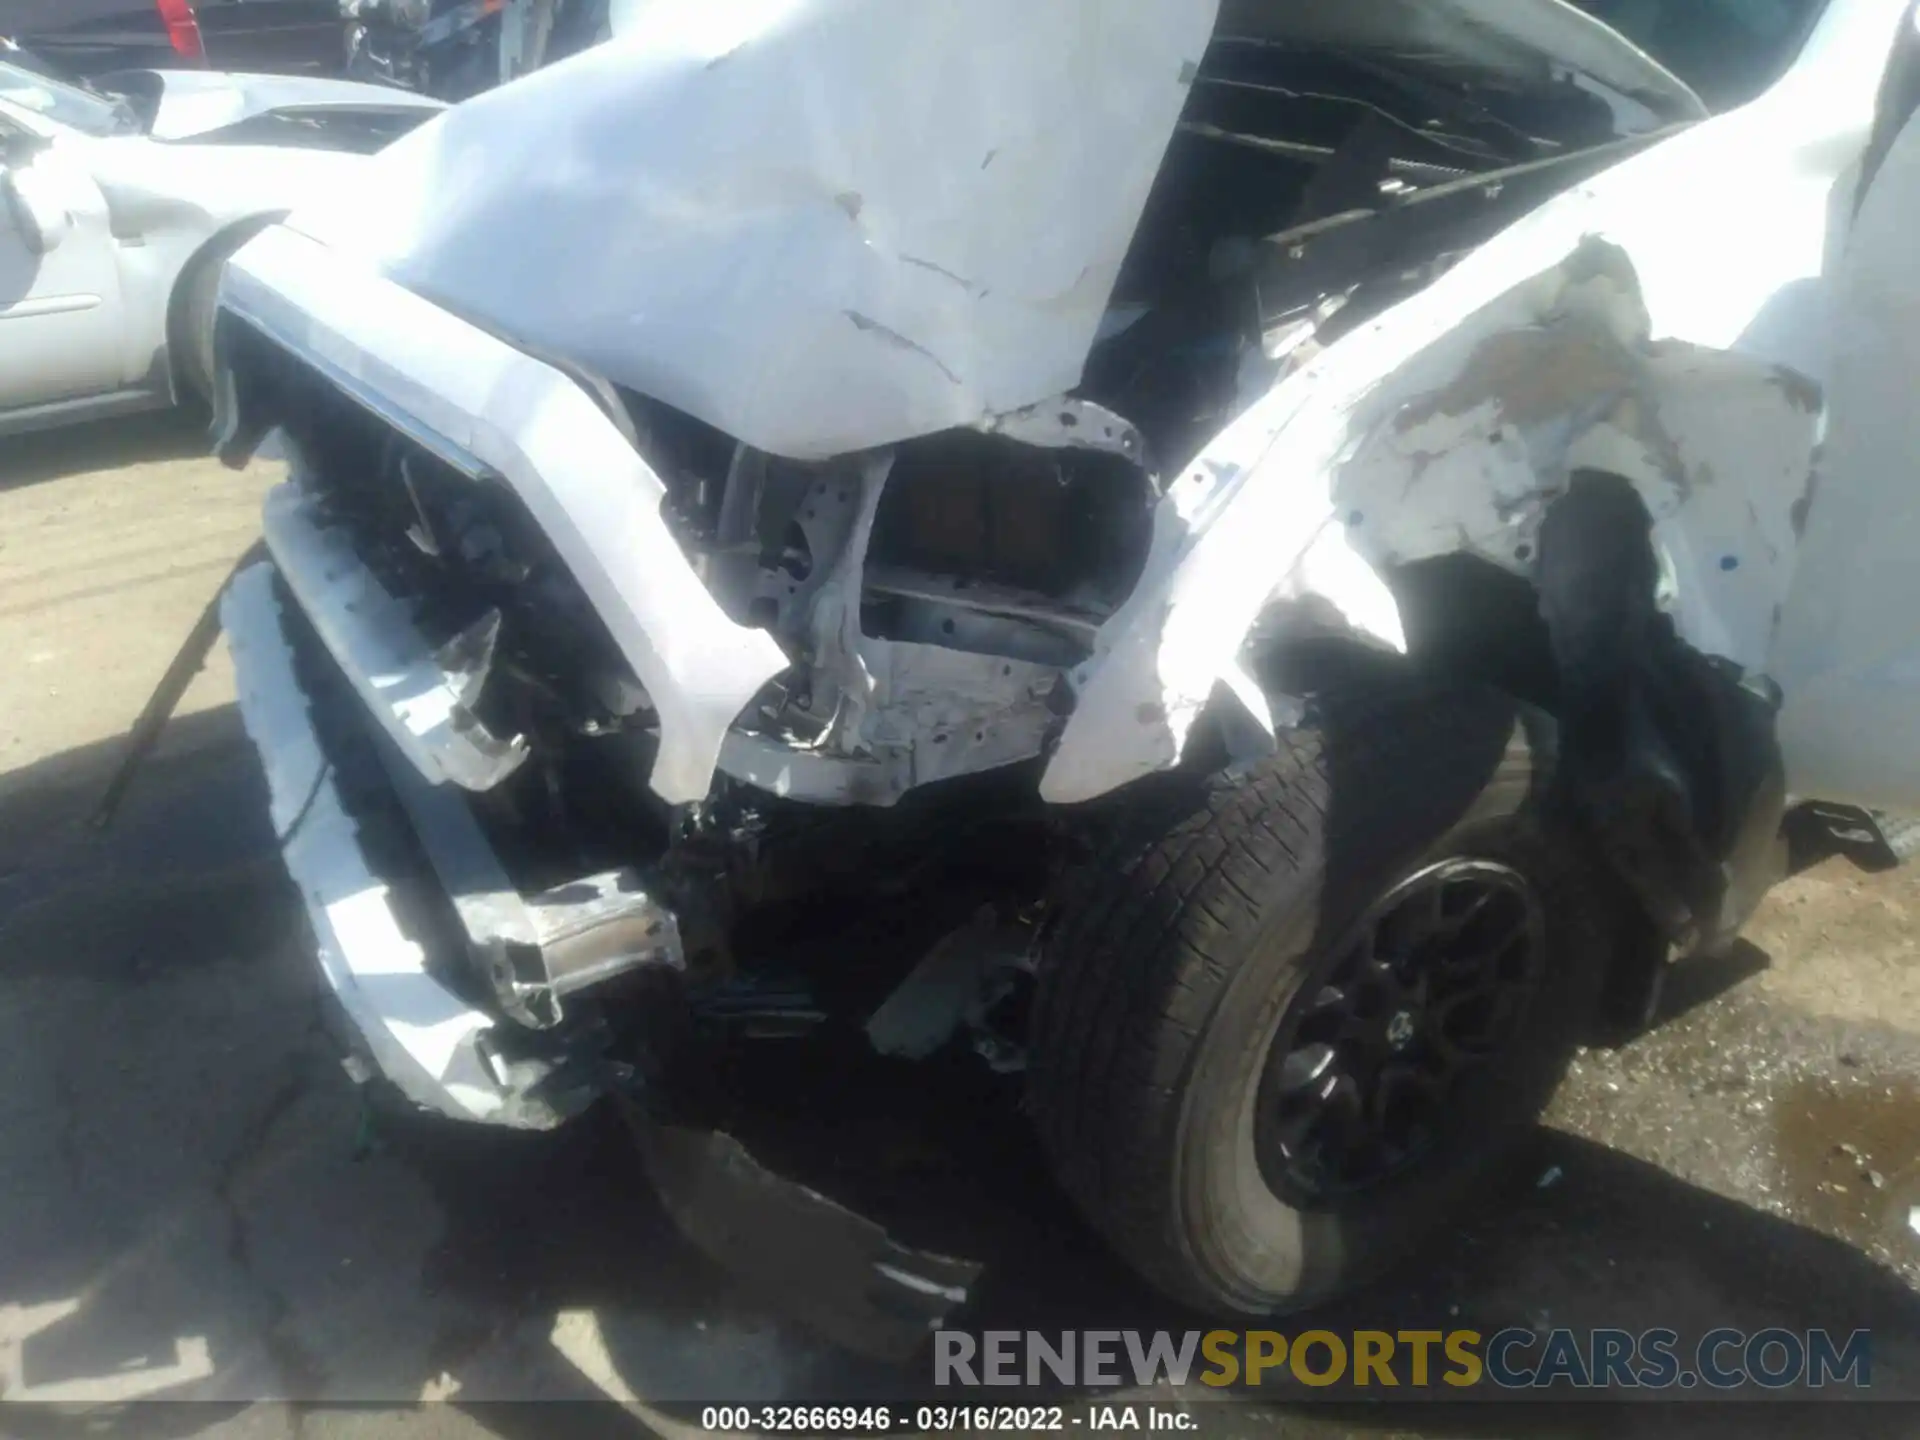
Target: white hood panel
{"points": [[824, 225], [818, 225]]}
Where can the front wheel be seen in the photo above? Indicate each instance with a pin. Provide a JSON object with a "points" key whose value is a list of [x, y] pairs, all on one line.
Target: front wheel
{"points": [[1294, 1017]]}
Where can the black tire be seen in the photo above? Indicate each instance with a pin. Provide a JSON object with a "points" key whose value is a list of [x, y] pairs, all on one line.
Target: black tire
{"points": [[1173, 958], [196, 302]]}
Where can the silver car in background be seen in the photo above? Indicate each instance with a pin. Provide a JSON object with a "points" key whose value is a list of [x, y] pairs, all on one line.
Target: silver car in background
{"points": [[119, 202]]}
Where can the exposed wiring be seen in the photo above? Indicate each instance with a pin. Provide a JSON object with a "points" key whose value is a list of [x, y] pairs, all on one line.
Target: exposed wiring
{"points": [[306, 805], [1459, 144]]}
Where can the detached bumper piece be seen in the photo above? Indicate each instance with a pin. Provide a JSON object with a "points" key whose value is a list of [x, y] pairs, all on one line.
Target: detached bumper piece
{"points": [[422, 699], [364, 834], [438, 1048], [404, 977], [534, 949], [838, 1271]]}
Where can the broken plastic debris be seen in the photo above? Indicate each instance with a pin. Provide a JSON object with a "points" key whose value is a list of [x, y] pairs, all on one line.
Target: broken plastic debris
{"points": [[799, 1246], [1550, 1178], [956, 983], [928, 1006], [1913, 1218]]}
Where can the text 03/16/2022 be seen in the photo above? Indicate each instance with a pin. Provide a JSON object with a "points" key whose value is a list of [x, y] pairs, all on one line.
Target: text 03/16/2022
{"points": [[938, 1419]]}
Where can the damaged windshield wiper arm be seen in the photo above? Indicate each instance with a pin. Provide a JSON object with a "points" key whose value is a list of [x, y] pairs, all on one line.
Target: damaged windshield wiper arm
{"points": [[1316, 154], [1445, 140]]}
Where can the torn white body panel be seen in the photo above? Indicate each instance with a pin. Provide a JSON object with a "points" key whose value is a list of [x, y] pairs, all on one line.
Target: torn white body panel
{"points": [[1669, 322], [484, 406]]}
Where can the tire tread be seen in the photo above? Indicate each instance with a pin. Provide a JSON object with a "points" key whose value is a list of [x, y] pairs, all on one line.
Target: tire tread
{"points": [[1148, 936]]}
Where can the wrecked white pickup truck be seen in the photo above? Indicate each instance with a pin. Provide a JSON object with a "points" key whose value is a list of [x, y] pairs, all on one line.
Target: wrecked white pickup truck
{"points": [[1335, 540]]}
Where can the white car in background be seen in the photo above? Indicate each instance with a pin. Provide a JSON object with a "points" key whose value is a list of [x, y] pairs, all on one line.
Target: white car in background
{"points": [[120, 201]]}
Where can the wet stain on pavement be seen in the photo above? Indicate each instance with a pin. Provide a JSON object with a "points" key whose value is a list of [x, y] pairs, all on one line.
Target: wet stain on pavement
{"points": [[1850, 1156]]}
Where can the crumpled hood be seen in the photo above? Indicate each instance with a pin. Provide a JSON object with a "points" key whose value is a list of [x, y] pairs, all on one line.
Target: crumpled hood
{"points": [[825, 225], [198, 102]]}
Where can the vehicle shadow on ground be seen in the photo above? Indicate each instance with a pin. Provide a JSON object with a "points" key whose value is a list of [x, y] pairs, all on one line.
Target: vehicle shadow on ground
{"points": [[187, 1162], [179, 434], [195, 821], [1705, 979], [1614, 1242]]}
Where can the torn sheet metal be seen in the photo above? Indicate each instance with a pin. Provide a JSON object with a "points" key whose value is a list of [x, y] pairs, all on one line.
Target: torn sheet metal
{"points": [[935, 713], [839, 1271], [953, 713], [489, 409], [1672, 328], [1067, 423]]}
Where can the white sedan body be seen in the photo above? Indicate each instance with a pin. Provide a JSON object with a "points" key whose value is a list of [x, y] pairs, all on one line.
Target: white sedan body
{"points": [[137, 200]]}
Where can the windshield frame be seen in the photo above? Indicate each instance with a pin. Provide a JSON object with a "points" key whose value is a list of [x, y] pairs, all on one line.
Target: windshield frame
{"points": [[76, 108], [1721, 92]]}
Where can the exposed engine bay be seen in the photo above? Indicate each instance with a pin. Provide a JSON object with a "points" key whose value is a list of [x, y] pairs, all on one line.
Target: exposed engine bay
{"points": [[932, 595]]}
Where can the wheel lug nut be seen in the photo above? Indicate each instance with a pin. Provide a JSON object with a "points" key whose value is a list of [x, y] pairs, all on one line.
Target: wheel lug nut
{"points": [[1400, 1029]]}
